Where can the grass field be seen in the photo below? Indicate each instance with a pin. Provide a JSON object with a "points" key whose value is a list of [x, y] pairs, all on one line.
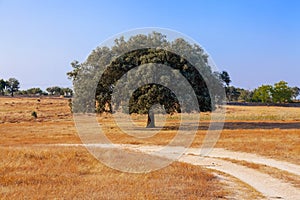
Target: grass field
{"points": [[33, 171]]}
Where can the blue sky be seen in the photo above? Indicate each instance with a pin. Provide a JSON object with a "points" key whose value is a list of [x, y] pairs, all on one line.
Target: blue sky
{"points": [[257, 41]]}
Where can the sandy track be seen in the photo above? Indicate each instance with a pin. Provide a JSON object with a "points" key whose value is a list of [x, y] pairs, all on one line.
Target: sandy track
{"points": [[271, 188], [222, 153]]}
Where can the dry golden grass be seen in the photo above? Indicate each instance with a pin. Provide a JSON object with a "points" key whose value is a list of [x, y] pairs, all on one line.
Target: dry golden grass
{"points": [[17, 110], [278, 138], [30, 171], [61, 172], [262, 113], [273, 143], [72, 173]]}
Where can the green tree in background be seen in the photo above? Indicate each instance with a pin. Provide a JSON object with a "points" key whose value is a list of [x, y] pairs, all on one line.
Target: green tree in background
{"points": [[224, 75], [245, 95], [281, 92], [2, 86], [225, 78], [55, 90], [67, 91], [233, 93], [34, 91], [263, 94], [296, 92], [12, 86]]}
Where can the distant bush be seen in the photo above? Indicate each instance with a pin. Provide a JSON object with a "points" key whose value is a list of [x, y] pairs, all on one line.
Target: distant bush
{"points": [[34, 114]]}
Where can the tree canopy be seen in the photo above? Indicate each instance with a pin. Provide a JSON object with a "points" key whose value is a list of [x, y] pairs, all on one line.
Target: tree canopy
{"points": [[282, 92], [12, 86], [279, 93], [106, 65]]}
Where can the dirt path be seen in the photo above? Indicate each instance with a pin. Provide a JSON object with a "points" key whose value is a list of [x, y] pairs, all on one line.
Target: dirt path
{"points": [[223, 153], [271, 188], [265, 184]]}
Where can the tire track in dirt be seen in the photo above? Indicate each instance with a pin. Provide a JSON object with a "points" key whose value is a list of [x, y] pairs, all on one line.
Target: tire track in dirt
{"points": [[271, 188], [249, 157]]}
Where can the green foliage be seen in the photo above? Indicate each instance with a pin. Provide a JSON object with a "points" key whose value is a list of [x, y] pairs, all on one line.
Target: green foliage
{"points": [[34, 91], [225, 78], [263, 94], [281, 92], [245, 95], [145, 97], [112, 64], [2, 86], [67, 91], [231, 92], [296, 92], [12, 86], [34, 114], [56, 90]]}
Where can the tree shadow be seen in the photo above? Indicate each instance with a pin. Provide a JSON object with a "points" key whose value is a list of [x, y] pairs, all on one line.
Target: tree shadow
{"points": [[242, 125]]}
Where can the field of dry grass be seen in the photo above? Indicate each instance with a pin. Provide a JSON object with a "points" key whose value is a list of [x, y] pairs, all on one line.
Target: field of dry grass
{"points": [[72, 173], [59, 172], [36, 172]]}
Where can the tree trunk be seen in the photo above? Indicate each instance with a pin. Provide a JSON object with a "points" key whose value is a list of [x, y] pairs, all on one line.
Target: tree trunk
{"points": [[150, 120]]}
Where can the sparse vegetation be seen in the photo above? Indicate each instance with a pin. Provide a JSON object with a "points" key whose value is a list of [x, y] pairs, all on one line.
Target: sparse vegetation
{"points": [[71, 173], [28, 165], [34, 114], [12, 86]]}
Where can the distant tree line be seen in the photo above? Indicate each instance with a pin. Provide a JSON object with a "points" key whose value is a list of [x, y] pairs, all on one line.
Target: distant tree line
{"points": [[12, 85], [280, 92]]}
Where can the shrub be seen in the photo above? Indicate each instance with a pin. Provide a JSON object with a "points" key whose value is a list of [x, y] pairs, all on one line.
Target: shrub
{"points": [[34, 114]]}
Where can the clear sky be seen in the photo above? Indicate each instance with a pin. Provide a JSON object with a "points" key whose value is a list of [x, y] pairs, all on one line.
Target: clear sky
{"points": [[256, 41]]}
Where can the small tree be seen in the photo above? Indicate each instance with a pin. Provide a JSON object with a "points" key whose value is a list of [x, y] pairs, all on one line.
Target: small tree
{"points": [[12, 85], [296, 92], [66, 91], [245, 95], [225, 78], [282, 92], [233, 93], [34, 91], [263, 94], [54, 90], [2, 86]]}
